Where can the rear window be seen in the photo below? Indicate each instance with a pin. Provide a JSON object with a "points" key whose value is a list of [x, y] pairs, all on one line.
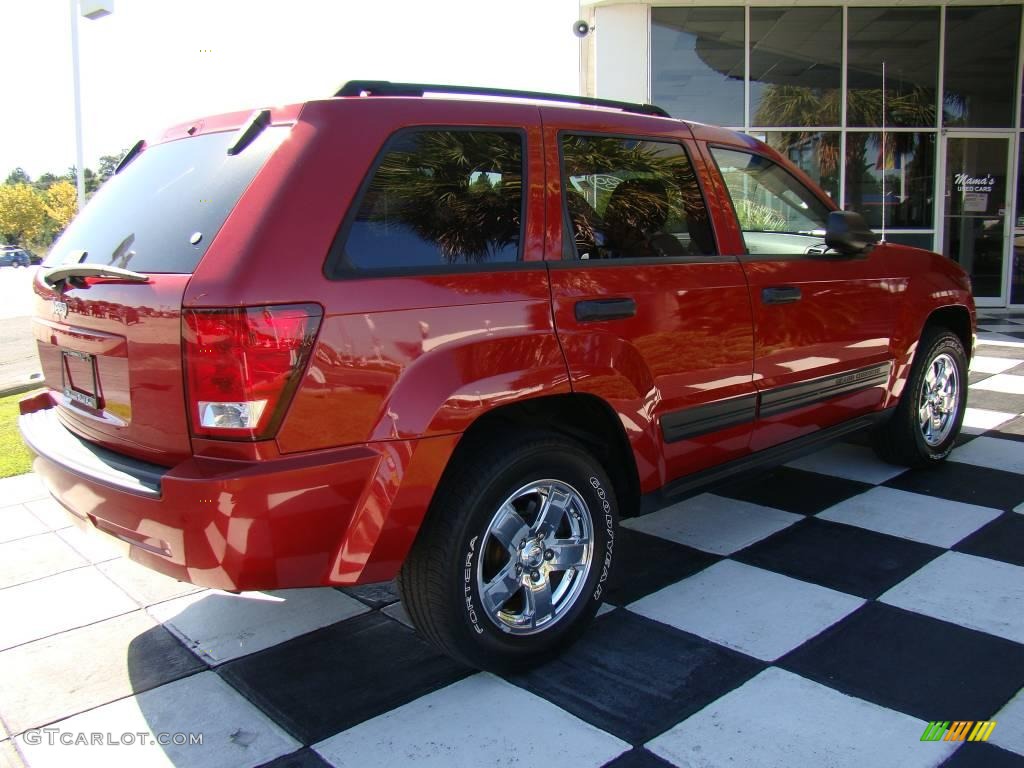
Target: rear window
{"points": [[147, 217]]}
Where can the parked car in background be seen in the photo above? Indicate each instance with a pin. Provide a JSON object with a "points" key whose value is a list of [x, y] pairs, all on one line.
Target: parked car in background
{"points": [[16, 257], [503, 326]]}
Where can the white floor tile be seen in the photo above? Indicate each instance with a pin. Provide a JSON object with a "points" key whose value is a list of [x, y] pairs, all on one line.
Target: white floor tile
{"points": [[16, 522], [853, 462], [974, 592], [780, 720], [234, 733], [998, 340], [481, 720], [977, 420], [219, 626], [143, 585], [1009, 731], [1007, 455], [982, 364], [58, 603], [1002, 382], [741, 607], [714, 523], [91, 544], [36, 557], [397, 612], [9, 758], [50, 513], [22, 488], [911, 516]]}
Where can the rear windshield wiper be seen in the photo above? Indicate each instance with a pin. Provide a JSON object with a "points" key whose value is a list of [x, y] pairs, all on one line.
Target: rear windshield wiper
{"points": [[55, 275]]}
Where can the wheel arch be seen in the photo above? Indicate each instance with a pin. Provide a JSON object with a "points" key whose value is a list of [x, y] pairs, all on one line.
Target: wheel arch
{"points": [[957, 319], [585, 418]]}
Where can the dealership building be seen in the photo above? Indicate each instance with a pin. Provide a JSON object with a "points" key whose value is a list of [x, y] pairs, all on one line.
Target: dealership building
{"points": [[807, 78]]}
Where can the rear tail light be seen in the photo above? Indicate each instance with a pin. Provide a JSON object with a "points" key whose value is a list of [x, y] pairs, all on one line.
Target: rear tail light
{"points": [[243, 364]]}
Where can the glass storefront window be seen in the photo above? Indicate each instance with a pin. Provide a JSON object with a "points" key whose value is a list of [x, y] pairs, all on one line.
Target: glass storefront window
{"points": [[981, 65], [697, 63], [909, 168], [917, 239], [814, 153], [907, 40], [1017, 274], [795, 66]]}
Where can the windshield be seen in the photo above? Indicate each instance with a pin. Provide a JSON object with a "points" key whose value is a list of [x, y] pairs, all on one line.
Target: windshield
{"points": [[162, 211]]}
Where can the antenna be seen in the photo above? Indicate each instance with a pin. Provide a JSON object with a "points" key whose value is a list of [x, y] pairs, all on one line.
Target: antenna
{"points": [[885, 155]]}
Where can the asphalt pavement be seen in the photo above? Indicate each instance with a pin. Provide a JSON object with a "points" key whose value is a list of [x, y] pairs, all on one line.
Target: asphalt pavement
{"points": [[18, 359]]}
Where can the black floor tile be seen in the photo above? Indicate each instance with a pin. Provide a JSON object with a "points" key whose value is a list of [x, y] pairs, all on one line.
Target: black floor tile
{"points": [[991, 400], [924, 667], [304, 758], [644, 564], [336, 677], [1011, 430], [983, 755], [841, 557], [1002, 539], [993, 350], [794, 490], [374, 595], [636, 678], [156, 657], [964, 482], [638, 758], [974, 377]]}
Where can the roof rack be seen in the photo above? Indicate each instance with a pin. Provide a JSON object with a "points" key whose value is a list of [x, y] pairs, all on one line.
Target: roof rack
{"points": [[387, 88]]}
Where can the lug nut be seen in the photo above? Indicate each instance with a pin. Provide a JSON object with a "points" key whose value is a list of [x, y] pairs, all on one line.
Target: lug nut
{"points": [[519, 569], [548, 554], [535, 575]]}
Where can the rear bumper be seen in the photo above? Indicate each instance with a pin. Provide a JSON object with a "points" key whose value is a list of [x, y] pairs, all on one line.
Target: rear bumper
{"points": [[345, 516]]}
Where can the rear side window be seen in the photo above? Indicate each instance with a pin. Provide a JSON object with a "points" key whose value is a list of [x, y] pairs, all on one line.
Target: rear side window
{"points": [[628, 198], [162, 211], [776, 213], [438, 199]]}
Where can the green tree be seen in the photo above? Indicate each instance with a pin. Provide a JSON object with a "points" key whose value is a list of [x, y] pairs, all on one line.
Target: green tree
{"points": [[18, 176], [23, 217], [61, 201]]}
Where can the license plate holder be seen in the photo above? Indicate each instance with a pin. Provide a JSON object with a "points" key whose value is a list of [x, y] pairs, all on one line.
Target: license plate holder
{"points": [[80, 378]]}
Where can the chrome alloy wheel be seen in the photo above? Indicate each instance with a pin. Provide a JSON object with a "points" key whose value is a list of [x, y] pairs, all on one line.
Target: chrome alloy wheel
{"points": [[535, 557], [939, 400]]}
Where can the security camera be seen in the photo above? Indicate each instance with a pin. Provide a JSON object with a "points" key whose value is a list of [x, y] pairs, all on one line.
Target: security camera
{"points": [[581, 28]]}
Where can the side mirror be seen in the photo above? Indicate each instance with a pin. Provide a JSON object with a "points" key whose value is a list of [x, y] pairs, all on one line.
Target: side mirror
{"points": [[848, 233]]}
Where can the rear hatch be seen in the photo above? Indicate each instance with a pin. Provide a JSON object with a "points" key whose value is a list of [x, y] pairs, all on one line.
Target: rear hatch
{"points": [[111, 346]]}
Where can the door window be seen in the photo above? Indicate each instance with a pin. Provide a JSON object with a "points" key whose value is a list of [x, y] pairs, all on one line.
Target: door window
{"points": [[629, 198], [777, 214]]}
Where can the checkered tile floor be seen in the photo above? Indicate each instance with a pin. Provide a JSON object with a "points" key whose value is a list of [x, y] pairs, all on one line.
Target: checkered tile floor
{"points": [[818, 615]]}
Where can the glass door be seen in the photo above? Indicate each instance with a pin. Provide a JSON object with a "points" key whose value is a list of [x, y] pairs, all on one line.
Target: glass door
{"points": [[976, 232]]}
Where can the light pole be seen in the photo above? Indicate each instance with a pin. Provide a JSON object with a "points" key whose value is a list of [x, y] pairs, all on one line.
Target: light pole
{"points": [[91, 9]]}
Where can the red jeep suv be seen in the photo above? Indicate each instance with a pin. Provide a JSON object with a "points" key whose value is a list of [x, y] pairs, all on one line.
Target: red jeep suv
{"points": [[454, 340]]}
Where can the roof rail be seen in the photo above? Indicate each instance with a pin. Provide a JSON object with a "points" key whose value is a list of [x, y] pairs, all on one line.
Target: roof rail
{"points": [[387, 88]]}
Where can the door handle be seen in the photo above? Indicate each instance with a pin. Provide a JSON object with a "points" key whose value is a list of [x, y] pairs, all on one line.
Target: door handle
{"points": [[604, 309], [785, 294]]}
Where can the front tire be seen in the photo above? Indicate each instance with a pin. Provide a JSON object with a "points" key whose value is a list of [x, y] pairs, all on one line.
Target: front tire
{"points": [[512, 560], [927, 420]]}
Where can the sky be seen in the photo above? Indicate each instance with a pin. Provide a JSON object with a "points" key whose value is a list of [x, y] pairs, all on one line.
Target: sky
{"points": [[155, 63]]}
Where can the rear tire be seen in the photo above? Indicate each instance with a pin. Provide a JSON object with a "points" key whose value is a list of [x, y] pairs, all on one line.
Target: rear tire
{"points": [[511, 562], [923, 429]]}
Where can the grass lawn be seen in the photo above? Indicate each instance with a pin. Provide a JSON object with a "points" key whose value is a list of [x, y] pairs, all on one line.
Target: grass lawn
{"points": [[15, 458]]}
